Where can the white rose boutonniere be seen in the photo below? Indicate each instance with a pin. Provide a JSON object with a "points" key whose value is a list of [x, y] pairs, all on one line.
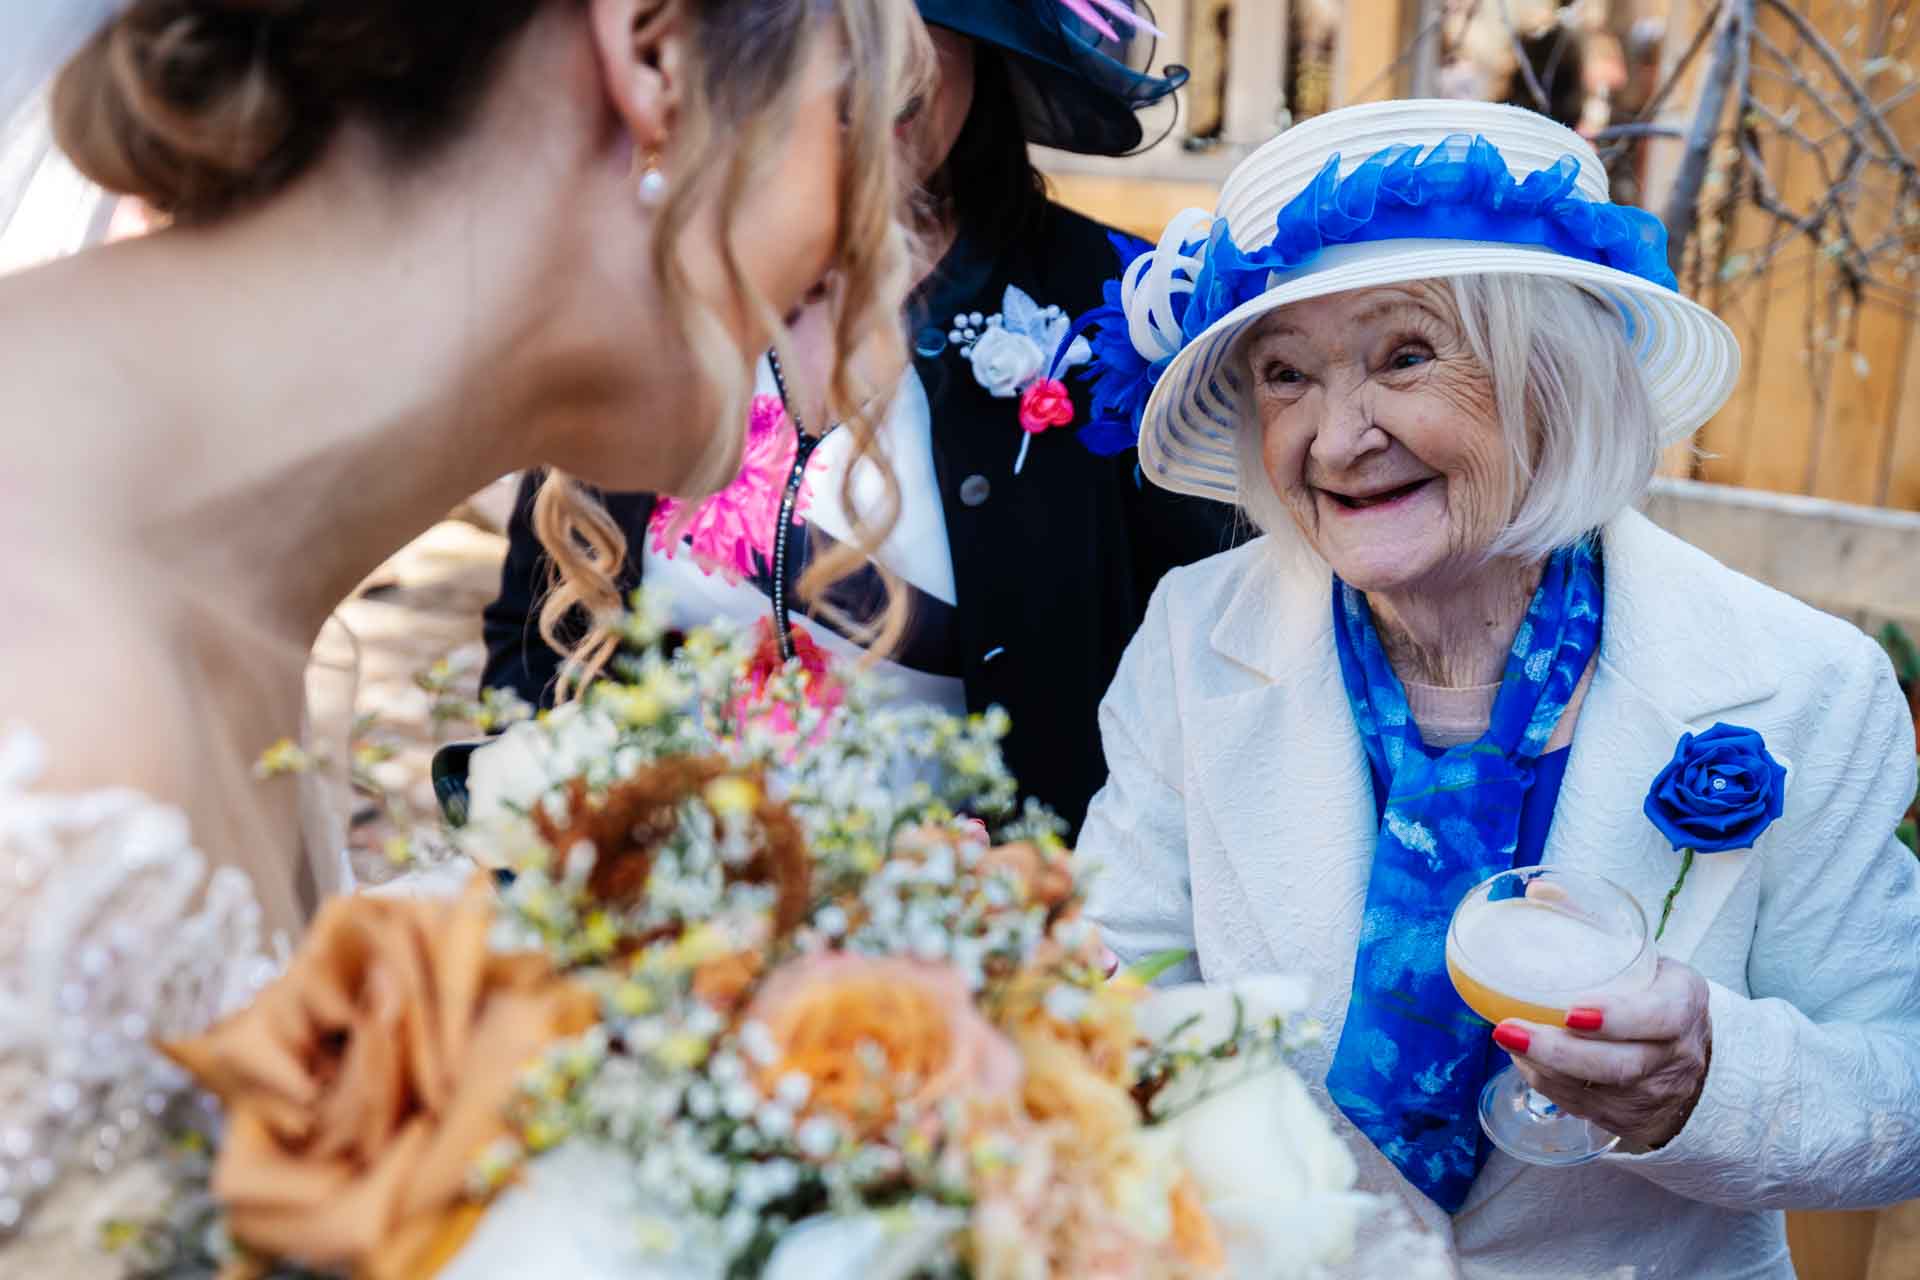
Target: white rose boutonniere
{"points": [[1004, 361], [1016, 353]]}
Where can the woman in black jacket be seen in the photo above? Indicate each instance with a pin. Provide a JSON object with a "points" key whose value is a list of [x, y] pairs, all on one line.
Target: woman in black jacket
{"points": [[1027, 559]]}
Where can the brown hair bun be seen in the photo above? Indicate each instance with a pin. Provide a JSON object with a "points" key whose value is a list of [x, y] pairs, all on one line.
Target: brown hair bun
{"points": [[199, 106]]}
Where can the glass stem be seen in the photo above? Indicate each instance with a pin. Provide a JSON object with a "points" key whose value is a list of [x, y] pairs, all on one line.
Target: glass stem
{"points": [[1540, 1106]]}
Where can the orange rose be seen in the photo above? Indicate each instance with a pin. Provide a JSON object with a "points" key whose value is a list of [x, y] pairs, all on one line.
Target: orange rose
{"points": [[360, 1087], [723, 981], [933, 1044]]}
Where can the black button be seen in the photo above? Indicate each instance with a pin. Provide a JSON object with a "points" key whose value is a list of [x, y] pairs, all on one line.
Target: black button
{"points": [[974, 490], [929, 342]]}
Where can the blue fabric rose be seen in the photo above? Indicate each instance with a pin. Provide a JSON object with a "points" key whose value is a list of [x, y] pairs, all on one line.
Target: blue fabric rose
{"points": [[1719, 792]]}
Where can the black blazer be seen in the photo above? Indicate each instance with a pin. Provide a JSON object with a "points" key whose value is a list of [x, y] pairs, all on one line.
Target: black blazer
{"points": [[1053, 567]]}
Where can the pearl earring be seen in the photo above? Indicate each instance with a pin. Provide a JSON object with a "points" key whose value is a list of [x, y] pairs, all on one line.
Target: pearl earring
{"points": [[652, 187]]}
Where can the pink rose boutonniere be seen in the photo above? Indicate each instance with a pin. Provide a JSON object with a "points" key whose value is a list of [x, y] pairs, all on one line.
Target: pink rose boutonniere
{"points": [[1045, 403]]}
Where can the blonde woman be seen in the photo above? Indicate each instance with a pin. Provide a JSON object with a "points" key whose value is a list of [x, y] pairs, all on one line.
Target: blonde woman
{"points": [[413, 246], [1026, 557]]}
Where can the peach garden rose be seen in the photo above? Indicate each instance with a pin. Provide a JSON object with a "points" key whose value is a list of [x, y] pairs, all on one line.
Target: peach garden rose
{"points": [[933, 1044], [359, 1088]]}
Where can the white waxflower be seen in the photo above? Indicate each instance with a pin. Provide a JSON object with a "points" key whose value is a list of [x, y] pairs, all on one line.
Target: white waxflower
{"points": [[726, 1068], [739, 1100], [818, 1138], [776, 1122], [758, 1041], [793, 1089]]}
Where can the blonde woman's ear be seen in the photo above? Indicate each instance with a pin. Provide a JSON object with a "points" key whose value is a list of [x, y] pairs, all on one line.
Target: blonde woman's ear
{"points": [[642, 51]]}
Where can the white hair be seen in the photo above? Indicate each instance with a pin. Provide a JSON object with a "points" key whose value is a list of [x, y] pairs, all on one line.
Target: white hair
{"points": [[1582, 439]]}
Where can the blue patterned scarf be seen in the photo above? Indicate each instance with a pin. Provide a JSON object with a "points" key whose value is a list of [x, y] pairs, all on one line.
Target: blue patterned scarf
{"points": [[1412, 1057]]}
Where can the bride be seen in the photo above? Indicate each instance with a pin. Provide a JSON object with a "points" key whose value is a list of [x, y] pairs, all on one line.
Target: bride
{"points": [[412, 247]]}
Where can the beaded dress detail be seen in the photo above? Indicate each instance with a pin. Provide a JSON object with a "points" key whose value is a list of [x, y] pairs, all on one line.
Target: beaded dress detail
{"points": [[112, 935]]}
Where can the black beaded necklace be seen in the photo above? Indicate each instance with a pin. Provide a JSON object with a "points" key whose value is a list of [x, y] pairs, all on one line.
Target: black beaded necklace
{"points": [[783, 530]]}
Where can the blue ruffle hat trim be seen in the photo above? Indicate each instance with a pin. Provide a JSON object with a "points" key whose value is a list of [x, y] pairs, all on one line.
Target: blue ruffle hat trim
{"points": [[1458, 189]]}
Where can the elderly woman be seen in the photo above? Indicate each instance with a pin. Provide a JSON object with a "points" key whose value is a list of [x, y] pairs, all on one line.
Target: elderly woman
{"points": [[1439, 377]]}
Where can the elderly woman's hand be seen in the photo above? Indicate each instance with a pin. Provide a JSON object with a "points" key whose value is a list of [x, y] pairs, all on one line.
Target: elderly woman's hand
{"points": [[1632, 1063]]}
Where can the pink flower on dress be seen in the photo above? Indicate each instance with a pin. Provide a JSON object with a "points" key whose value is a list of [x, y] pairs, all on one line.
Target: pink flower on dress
{"points": [[732, 532], [822, 689]]}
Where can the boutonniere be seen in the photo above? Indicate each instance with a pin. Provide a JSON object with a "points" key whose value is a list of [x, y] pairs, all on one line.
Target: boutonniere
{"points": [[1016, 353], [1720, 791]]}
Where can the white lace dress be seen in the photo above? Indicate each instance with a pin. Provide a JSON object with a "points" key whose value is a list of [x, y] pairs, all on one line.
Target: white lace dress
{"points": [[112, 934]]}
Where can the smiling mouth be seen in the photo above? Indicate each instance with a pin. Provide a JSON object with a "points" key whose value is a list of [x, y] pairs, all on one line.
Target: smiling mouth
{"points": [[1386, 497]]}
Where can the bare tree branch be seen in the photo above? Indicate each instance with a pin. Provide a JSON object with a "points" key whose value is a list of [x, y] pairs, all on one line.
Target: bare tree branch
{"points": [[1862, 101], [1694, 46], [1683, 205], [1524, 64]]}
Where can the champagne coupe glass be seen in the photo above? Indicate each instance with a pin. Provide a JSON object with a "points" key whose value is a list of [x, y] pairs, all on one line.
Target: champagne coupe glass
{"points": [[1526, 944]]}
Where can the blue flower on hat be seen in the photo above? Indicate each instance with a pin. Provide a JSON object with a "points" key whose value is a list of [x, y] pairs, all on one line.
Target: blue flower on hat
{"points": [[1122, 379]]}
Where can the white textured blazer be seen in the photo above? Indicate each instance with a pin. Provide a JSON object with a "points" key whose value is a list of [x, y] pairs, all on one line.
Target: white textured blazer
{"points": [[1239, 822]]}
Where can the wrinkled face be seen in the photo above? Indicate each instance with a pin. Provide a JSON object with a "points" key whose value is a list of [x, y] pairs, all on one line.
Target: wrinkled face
{"points": [[1379, 433]]}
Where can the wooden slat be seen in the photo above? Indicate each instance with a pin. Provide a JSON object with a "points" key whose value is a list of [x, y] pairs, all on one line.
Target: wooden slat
{"points": [[1903, 457], [1785, 416], [1369, 44], [1864, 389], [1745, 304], [1896, 1243], [1869, 376], [1900, 462], [1142, 208], [1831, 1246]]}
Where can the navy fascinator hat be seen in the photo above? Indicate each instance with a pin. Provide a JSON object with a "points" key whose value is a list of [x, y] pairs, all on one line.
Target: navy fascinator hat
{"points": [[1079, 69]]}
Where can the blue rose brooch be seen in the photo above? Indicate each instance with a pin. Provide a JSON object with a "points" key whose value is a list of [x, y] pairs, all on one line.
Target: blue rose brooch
{"points": [[1720, 791]]}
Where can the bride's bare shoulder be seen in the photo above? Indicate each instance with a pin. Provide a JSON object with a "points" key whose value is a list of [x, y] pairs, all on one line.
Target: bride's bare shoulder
{"points": [[75, 381], [99, 695]]}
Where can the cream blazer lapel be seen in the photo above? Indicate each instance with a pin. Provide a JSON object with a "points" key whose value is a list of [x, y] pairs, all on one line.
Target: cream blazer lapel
{"points": [[1281, 778]]}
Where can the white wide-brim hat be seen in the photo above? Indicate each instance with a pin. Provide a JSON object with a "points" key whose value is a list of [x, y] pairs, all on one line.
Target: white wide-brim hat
{"points": [[1689, 357]]}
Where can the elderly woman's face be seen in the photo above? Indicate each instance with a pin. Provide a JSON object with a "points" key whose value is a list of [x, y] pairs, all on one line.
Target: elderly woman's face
{"points": [[1380, 434]]}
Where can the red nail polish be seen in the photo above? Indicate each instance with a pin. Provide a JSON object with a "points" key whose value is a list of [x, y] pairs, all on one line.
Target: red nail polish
{"points": [[1582, 1018], [1512, 1039]]}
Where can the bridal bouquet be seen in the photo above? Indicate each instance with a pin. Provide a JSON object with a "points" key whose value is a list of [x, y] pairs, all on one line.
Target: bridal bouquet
{"points": [[781, 985]]}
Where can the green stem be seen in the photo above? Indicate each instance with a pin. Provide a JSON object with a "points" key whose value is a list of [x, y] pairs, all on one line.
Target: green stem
{"points": [[1666, 908], [1154, 965]]}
